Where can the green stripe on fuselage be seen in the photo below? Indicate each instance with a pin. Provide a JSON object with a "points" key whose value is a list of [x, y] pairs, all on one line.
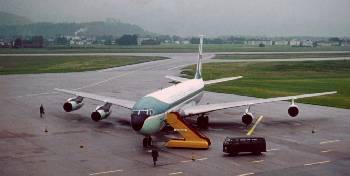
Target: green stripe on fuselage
{"points": [[158, 106], [154, 123]]}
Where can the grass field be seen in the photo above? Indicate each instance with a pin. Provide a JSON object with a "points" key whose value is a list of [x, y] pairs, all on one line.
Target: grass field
{"points": [[58, 64], [280, 56], [167, 48], [272, 79]]}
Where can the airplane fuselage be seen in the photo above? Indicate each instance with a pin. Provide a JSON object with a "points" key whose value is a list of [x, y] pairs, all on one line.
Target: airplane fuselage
{"points": [[148, 114]]}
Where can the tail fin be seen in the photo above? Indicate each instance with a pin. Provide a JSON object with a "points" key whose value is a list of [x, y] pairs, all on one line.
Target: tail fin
{"points": [[199, 63]]}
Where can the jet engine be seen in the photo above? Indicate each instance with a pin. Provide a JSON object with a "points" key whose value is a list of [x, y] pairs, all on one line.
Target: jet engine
{"points": [[101, 112], [247, 118], [73, 104], [293, 110]]}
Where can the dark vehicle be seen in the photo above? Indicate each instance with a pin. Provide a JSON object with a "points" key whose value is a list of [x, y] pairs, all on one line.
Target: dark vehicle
{"points": [[233, 146]]}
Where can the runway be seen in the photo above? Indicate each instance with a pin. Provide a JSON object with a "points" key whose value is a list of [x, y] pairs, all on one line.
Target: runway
{"points": [[75, 145]]}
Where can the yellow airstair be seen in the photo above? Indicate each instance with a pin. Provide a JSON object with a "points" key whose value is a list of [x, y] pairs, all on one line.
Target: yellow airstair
{"points": [[191, 137]]}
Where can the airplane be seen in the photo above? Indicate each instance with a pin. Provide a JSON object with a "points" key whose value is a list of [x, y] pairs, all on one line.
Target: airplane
{"points": [[149, 112]]}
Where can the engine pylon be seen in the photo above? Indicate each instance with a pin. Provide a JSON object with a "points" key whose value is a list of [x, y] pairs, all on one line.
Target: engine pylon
{"points": [[192, 138]]}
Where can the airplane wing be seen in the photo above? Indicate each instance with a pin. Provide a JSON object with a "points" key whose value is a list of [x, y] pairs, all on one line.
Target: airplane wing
{"points": [[221, 80], [119, 102], [177, 79], [213, 107]]}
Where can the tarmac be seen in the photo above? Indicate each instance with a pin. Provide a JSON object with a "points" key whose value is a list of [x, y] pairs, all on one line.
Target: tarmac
{"points": [[314, 143]]}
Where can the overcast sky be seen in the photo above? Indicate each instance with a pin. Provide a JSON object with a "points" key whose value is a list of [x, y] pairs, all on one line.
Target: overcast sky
{"points": [[192, 17]]}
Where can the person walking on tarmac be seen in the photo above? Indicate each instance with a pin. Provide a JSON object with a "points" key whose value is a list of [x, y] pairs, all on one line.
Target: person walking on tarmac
{"points": [[155, 156], [42, 111]]}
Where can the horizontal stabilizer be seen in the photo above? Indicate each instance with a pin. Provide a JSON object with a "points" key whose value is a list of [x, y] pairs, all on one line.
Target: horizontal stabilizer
{"points": [[221, 80]]}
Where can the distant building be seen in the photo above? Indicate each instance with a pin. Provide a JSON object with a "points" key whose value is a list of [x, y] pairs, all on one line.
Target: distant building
{"points": [[345, 43], [150, 42], [295, 43], [281, 42], [258, 42], [141, 39], [307, 43], [5, 44], [327, 43], [61, 40], [17, 43]]}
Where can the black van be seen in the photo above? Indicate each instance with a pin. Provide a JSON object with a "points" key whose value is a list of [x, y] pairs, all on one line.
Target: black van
{"points": [[233, 146]]}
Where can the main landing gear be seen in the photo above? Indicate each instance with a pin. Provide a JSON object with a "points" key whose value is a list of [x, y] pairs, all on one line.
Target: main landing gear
{"points": [[147, 141], [203, 121]]}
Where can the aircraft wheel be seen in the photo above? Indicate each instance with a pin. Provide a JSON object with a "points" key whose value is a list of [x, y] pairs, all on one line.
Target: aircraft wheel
{"points": [[149, 141], [145, 142], [203, 122]]}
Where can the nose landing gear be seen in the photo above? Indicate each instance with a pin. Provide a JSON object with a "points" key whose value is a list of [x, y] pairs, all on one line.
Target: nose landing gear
{"points": [[147, 141], [203, 122]]}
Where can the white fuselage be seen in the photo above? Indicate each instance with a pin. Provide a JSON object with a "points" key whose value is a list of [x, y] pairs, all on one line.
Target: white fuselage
{"points": [[170, 99]]}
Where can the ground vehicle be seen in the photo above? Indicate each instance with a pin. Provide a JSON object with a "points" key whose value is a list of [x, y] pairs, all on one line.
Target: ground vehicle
{"points": [[234, 146]]}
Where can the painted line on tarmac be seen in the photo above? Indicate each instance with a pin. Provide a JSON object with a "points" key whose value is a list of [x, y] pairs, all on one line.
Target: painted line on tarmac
{"points": [[321, 162], [101, 82], [326, 151], [83, 87], [201, 159], [186, 161], [257, 161], [106, 172], [216, 129], [273, 149], [173, 68], [329, 141], [175, 173], [37, 94], [245, 174]]}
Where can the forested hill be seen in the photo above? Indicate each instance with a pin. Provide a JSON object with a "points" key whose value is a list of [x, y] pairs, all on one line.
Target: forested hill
{"points": [[98, 28], [11, 19]]}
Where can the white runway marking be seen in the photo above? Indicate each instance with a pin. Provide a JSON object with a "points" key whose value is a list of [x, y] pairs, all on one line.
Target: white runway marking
{"points": [[83, 87], [172, 68], [186, 161], [258, 161], [106, 172], [321, 162], [37, 94], [106, 80], [329, 141], [175, 173], [273, 149], [250, 173], [325, 151], [201, 159]]}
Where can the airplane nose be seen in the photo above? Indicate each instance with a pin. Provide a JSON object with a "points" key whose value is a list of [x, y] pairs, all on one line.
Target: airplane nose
{"points": [[137, 122]]}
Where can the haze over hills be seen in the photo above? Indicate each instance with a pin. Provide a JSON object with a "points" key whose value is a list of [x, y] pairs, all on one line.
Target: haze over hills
{"points": [[12, 19], [14, 25], [269, 18]]}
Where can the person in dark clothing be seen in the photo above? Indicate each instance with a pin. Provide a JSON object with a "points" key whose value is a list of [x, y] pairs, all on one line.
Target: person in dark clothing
{"points": [[42, 110], [155, 156]]}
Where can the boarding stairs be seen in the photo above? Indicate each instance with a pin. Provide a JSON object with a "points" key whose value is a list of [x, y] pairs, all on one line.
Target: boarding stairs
{"points": [[192, 138]]}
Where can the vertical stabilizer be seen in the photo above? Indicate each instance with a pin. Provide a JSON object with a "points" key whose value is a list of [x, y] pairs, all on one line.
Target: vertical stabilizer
{"points": [[200, 55]]}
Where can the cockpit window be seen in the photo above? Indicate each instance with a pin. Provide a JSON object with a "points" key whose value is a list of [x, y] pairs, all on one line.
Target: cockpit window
{"points": [[143, 112], [135, 112]]}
